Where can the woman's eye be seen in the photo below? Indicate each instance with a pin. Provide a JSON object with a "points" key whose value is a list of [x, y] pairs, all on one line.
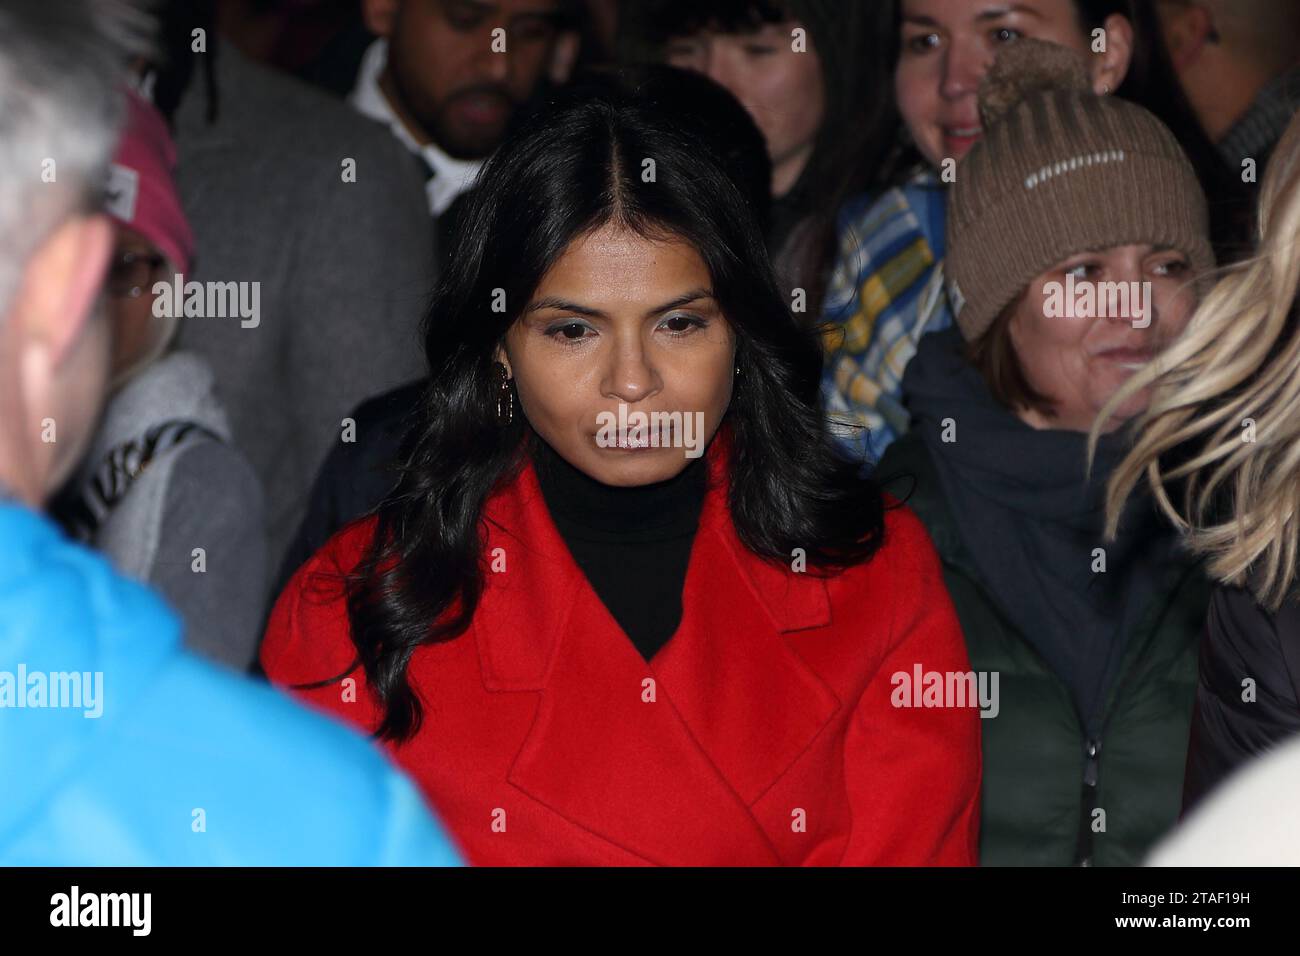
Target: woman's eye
{"points": [[1006, 35], [684, 52], [1174, 267], [682, 324], [569, 331], [922, 43], [1084, 270]]}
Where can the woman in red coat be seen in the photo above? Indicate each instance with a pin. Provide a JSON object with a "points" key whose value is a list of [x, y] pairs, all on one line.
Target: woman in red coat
{"points": [[625, 604]]}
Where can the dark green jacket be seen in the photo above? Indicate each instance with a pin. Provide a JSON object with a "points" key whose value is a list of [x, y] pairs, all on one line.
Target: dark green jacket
{"points": [[1045, 800]]}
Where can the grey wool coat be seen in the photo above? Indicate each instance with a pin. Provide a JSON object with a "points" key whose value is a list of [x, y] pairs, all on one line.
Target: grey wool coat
{"points": [[344, 268]]}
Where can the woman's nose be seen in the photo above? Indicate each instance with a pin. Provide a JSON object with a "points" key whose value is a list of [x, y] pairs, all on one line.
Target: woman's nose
{"points": [[631, 376], [963, 67], [1127, 295]]}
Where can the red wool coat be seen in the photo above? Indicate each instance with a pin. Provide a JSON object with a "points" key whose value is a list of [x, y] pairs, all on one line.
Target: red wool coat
{"points": [[763, 733]]}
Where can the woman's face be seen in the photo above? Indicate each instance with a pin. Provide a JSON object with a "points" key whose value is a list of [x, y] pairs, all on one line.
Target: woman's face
{"points": [[947, 46], [134, 328], [620, 319], [781, 88], [1078, 352]]}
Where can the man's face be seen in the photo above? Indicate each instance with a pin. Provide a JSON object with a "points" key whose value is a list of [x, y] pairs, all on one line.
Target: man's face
{"points": [[54, 353], [460, 68], [79, 386]]}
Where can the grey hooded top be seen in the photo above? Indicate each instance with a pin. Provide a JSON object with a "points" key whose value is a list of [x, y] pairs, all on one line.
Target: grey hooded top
{"points": [[192, 523]]}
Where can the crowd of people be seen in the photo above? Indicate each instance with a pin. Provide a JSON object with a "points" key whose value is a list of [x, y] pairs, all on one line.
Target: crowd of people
{"points": [[686, 432]]}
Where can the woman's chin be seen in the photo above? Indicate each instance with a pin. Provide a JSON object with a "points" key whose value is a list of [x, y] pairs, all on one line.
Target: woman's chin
{"points": [[621, 467], [1126, 412]]}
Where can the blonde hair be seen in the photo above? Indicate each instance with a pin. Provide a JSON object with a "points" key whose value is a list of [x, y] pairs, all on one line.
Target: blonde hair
{"points": [[1226, 395]]}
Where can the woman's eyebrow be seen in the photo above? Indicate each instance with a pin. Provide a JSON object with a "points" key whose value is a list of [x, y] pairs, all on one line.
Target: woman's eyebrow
{"points": [[684, 299], [995, 13], [564, 305]]}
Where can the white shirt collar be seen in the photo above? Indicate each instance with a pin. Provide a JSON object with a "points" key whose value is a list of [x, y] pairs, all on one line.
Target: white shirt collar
{"points": [[451, 176]]}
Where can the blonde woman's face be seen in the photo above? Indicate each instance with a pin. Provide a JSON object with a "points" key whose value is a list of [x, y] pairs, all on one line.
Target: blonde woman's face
{"points": [[947, 46], [620, 320], [1084, 327]]}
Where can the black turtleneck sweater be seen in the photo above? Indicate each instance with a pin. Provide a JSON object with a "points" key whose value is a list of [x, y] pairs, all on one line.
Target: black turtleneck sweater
{"points": [[633, 544]]}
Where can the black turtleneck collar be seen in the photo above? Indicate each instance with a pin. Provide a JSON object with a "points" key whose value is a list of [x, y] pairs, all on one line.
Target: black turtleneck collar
{"points": [[632, 544], [581, 505]]}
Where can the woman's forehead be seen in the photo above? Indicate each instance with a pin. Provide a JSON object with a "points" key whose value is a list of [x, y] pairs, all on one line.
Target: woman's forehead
{"points": [[615, 264]]}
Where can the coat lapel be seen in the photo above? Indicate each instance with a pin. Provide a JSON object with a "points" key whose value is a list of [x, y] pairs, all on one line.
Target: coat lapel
{"points": [[670, 780], [752, 703]]}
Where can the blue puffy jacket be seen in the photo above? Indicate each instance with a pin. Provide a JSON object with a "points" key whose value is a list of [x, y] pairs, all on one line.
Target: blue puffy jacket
{"points": [[156, 758]]}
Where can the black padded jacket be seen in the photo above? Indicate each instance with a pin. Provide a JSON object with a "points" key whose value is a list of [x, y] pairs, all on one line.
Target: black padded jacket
{"points": [[1248, 691]]}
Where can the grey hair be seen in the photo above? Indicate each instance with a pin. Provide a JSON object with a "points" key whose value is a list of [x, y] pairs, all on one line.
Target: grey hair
{"points": [[62, 68]]}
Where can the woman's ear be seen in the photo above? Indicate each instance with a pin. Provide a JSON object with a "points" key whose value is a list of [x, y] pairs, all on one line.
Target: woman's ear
{"points": [[501, 356], [1110, 67], [1187, 29]]}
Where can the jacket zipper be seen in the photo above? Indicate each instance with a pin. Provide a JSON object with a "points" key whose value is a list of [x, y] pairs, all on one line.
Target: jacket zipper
{"points": [[1091, 744], [952, 555], [1088, 802]]}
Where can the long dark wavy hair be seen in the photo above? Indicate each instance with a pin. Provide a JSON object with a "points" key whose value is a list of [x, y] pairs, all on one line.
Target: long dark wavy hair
{"points": [[574, 168]]}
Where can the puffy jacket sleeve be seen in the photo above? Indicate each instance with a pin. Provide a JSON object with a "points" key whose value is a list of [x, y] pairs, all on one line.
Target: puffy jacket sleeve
{"points": [[1246, 694], [308, 643], [412, 836], [913, 773]]}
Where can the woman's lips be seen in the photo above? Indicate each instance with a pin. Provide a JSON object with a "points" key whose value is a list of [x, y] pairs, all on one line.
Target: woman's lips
{"points": [[959, 139], [645, 440], [1128, 358]]}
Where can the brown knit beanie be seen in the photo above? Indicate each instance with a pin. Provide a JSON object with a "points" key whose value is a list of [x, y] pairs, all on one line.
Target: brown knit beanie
{"points": [[1060, 171]]}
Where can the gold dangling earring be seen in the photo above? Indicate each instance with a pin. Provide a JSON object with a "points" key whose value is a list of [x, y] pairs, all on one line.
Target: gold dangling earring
{"points": [[505, 398]]}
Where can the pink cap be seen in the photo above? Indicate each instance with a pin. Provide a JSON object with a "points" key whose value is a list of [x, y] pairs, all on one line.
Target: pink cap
{"points": [[141, 191]]}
